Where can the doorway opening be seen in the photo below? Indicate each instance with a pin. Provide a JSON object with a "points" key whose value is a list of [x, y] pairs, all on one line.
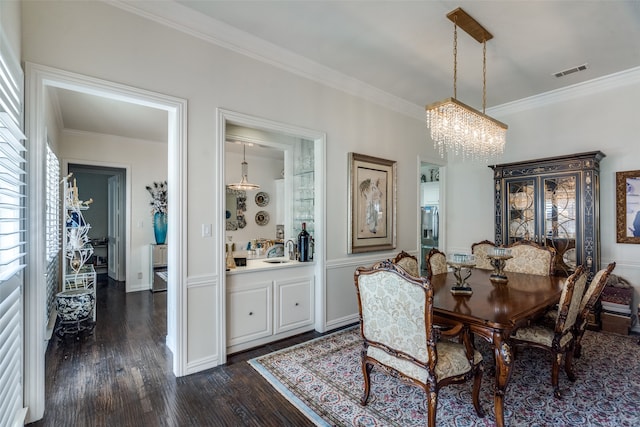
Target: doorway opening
{"points": [[229, 125], [39, 79], [106, 216], [431, 210]]}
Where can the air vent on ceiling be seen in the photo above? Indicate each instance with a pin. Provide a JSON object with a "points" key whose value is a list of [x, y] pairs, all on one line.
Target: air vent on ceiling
{"points": [[571, 70]]}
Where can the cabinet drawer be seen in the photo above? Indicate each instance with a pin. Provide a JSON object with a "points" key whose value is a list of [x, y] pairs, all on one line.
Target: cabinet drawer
{"points": [[249, 313], [294, 303]]}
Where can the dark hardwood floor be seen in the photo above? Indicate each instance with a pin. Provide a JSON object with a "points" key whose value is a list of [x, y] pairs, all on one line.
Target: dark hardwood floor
{"points": [[120, 375]]}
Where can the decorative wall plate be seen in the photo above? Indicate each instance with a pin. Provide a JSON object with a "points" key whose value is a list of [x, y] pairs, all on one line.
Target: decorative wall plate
{"points": [[262, 199], [262, 218]]}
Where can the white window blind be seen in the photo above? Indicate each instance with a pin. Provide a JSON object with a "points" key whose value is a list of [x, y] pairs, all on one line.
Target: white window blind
{"points": [[52, 228], [12, 217], [53, 205], [12, 235], [10, 354]]}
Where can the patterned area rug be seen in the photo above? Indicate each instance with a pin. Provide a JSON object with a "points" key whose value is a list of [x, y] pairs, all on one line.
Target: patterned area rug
{"points": [[323, 379]]}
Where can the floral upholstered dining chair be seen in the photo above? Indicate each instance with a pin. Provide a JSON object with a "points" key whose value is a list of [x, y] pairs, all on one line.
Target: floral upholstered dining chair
{"points": [[589, 300], [399, 337], [480, 250], [529, 257], [436, 262], [408, 262], [559, 338]]}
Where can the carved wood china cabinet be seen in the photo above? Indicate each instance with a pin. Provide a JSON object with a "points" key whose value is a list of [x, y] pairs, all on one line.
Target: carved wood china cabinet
{"points": [[554, 202]]}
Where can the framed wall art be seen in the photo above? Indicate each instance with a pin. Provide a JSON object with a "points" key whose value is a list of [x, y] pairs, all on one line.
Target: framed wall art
{"points": [[372, 204], [628, 207]]}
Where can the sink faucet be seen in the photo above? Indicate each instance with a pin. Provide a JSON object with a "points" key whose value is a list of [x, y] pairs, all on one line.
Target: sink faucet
{"points": [[293, 251]]}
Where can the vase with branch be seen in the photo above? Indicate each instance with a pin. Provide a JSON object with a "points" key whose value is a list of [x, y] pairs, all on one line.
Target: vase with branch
{"points": [[158, 203]]}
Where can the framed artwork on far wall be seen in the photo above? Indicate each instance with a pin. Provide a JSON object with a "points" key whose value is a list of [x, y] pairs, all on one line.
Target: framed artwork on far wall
{"points": [[628, 207], [372, 204]]}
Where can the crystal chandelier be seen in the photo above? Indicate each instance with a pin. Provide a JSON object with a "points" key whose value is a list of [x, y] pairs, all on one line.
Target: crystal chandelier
{"points": [[244, 181], [455, 127]]}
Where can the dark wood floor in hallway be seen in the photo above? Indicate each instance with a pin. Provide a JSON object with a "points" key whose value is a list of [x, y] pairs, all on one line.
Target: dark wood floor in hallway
{"points": [[121, 375]]}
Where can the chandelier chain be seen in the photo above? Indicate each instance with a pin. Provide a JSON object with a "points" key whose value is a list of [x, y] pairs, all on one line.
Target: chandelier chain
{"points": [[484, 75], [455, 58]]}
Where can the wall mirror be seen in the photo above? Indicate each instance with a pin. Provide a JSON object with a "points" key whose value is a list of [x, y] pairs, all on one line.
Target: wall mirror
{"points": [[235, 206]]}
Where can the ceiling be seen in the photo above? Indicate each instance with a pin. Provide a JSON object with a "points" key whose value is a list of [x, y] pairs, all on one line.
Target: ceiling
{"points": [[399, 51]]}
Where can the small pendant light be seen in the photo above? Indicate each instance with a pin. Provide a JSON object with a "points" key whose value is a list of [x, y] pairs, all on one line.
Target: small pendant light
{"points": [[244, 182]]}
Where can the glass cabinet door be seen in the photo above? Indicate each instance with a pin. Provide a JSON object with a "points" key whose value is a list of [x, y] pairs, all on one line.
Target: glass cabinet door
{"points": [[303, 187], [560, 213], [521, 210]]}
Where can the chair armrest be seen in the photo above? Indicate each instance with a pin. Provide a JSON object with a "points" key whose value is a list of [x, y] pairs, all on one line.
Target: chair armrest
{"points": [[450, 331]]}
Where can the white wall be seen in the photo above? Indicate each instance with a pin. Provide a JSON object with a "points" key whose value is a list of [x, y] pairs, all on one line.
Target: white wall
{"points": [[147, 162]]}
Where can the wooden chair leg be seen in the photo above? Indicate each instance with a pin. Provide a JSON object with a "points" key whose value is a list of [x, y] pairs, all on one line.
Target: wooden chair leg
{"points": [[555, 369], [366, 373], [477, 383], [578, 346], [568, 364], [432, 406]]}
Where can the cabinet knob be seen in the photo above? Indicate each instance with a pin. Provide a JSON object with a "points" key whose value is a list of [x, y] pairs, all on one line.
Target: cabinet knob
{"points": [[297, 304], [251, 313]]}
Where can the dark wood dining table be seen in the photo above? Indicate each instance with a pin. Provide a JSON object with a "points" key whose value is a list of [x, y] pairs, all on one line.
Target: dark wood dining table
{"points": [[494, 311]]}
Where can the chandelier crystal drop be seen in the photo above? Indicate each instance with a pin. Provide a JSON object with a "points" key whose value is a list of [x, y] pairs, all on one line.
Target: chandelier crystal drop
{"points": [[457, 128], [463, 131]]}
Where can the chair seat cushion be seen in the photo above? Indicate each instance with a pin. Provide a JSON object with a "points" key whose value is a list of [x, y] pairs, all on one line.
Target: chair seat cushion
{"points": [[539, 334], [452, 361]]}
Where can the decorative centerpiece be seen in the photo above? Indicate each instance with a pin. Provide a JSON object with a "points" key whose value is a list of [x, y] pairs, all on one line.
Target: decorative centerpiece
{"points": [[498, 258], [159, 210], [459, 262], [78, 250]]}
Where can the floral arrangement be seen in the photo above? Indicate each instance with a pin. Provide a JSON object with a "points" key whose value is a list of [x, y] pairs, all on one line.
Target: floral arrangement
{"points": [[158, 197]]}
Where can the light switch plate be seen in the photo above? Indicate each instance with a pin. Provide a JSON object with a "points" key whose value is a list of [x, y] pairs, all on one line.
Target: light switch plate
{"points": [[206, 230]]}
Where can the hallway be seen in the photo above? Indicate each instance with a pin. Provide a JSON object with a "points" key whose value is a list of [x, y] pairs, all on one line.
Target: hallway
{"points": [[121, 375]]}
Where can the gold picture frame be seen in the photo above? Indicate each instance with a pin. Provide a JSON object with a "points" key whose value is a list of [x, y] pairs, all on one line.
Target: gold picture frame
{"points": [[628, 207], [372, 204]]}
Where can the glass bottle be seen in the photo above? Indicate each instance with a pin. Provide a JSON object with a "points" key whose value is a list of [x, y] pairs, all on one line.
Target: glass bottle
{"points": [[303, 244]]}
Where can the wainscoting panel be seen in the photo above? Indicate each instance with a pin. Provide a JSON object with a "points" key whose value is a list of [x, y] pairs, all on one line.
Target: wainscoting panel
{"points": [[342, 304], [202, 320]]}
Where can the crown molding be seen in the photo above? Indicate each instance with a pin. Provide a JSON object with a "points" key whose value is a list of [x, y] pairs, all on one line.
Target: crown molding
{"points": [[578, 90], [181, 18]]}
